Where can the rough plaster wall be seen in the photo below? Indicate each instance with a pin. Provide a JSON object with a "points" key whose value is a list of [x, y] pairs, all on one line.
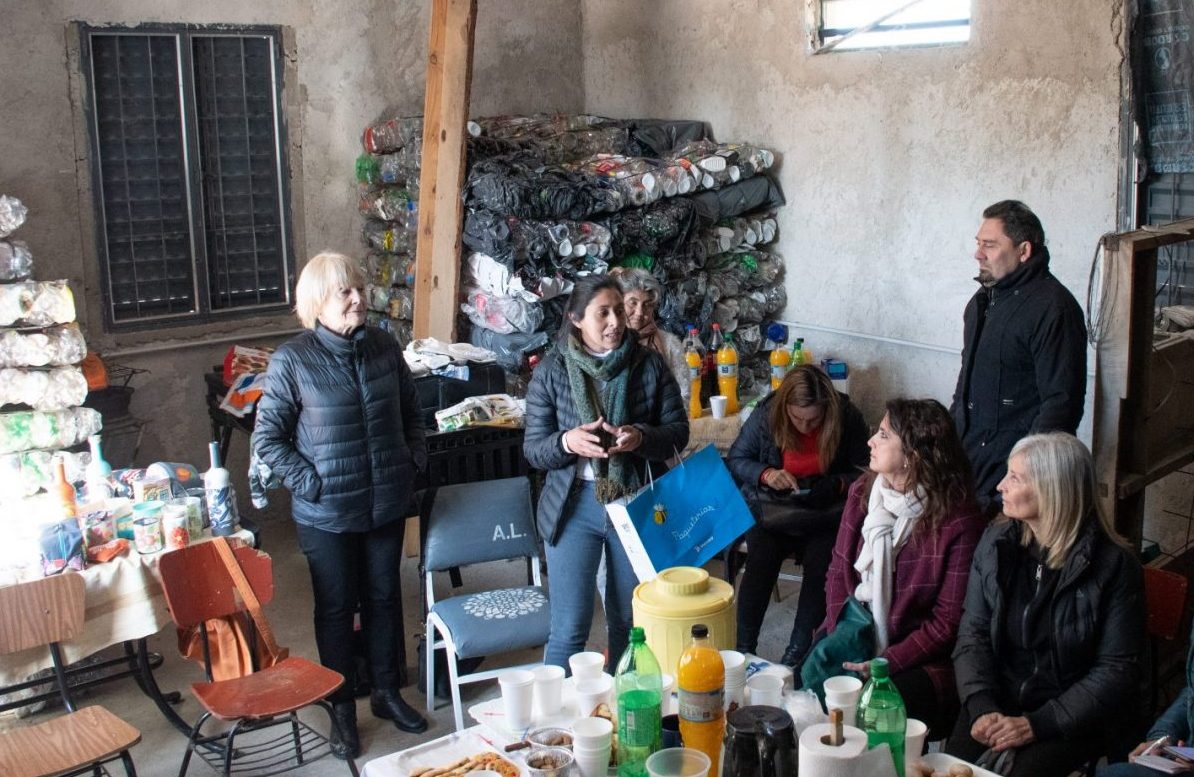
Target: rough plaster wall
{"points": [[887, 157], [352, 62]]}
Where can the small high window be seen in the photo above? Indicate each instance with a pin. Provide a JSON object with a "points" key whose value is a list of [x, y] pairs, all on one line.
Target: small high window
{"points": [[868, 24], [188, 166]]}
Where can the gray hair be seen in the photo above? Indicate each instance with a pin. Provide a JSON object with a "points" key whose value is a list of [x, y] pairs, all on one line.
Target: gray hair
{"points": [[635, 279], [324, 273]]}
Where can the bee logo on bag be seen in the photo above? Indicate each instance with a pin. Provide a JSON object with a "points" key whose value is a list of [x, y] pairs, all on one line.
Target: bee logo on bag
{"points": [[660, 513]]}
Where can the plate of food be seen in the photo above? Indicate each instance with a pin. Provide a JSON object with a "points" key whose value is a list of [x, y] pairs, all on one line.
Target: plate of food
{"points": [[945, 765], [454, 755]]}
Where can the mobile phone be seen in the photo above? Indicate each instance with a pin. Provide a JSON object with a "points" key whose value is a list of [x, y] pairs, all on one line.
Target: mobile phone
{"points": [[1185, 753]]}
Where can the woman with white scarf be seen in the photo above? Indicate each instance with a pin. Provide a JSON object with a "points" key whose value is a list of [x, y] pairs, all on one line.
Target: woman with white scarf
{"points": [[904, 548]]}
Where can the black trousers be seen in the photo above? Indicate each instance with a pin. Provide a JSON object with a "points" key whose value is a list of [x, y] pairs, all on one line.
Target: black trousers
{"points": [[350, 571], [921, 702], [766, 552], [1054, 758]]}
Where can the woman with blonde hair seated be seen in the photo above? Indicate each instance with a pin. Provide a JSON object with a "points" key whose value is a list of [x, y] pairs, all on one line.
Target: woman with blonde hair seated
{"points": [[1049, 648]]}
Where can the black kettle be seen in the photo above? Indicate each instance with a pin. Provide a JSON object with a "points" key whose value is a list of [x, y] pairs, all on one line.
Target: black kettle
{"points": [[760, 742]]}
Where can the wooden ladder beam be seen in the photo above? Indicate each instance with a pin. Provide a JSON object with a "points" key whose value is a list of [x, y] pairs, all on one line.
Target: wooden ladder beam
{"points": [[441, 213]]}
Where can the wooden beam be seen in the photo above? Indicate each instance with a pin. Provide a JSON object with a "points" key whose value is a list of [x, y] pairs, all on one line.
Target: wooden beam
{"points": [[445, 113]]}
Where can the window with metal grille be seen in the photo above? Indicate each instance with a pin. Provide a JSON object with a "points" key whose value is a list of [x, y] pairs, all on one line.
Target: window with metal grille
{"points": [[1169, 197], [864, 24], [188, 159]]}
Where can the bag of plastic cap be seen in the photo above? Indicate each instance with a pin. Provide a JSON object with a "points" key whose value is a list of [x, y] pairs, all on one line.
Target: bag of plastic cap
{"points": [[12, 214], [16, 261]]}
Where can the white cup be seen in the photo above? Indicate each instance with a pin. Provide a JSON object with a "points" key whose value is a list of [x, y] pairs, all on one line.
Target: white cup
{"points": [[592, 734], [735, 664], [765, 689], [842, 691], [549, 682], [914, 741], [517, 686], [592, 763], [592, 693], [717, 403], [781, 671], [735, 693], [668, 685], [586, 665]]}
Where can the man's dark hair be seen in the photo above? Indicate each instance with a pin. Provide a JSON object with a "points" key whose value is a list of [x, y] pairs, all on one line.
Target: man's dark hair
{"points": [[1019, 222]]}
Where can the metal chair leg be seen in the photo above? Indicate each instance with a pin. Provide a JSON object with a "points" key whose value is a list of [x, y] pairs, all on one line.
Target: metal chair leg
{"points": [[129, 768], [230, 748], [294, 730], [186, 756]]}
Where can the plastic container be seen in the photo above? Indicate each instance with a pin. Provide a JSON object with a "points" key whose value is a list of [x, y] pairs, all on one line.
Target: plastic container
{"points": [[668, 607], [727, 373], [639, 689], [693, 358], [882, 714], [175, 525], [700, 679], [147, 533]]}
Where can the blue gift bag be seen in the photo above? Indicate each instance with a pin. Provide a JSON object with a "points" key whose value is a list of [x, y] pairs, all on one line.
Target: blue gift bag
{"points": [[684, 518]]}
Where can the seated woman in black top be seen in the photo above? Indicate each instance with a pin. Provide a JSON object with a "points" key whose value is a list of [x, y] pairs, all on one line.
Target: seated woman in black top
{"points": [[805, 437]]}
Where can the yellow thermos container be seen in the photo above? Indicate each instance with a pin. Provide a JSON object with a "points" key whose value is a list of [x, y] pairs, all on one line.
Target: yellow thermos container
{"points": [[668, 606]]}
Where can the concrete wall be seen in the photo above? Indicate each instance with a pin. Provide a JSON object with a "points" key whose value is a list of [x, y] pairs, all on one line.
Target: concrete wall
{"points": [[887, 157], [348, 63]]}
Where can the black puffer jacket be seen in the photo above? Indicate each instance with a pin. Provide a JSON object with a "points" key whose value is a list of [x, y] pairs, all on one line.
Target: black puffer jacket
{"points": [[1023, 367], [654, 406], [1097, 617], [339, 423]]}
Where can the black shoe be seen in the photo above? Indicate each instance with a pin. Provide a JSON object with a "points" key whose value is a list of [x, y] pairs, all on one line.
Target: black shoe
{"points": [[389, 705], [346, 742], [793, 658]]}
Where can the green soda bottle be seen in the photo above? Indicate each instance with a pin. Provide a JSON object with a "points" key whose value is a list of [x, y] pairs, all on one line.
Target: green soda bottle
{"points": [[881, 713], [639, 686]]}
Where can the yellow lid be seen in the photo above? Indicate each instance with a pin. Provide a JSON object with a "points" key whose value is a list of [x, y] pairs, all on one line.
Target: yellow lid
{"points": [[683, 592]]}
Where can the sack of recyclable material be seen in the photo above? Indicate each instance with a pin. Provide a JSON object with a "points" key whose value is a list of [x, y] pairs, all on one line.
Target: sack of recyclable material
{"points": [[16, 261], [387, 237], [53, 389], [390, 269], [52, 347], [749, 194], [12, 214], [501, 314], [393, 134], [24, 430], [510, 349], [484, 410], [392, 204], [399, 168], [32, 303], [28, 472]]}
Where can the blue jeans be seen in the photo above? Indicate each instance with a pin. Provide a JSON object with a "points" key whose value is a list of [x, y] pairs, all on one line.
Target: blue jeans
{"points": [[1127, 770], [572, 579]]}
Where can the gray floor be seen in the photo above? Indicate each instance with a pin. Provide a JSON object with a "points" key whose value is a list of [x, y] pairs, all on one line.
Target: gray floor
{"points": [[161, 747]]}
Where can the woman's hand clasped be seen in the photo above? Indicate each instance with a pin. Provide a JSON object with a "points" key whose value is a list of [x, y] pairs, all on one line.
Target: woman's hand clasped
{"points": [[1000, 732], [586, 440]]}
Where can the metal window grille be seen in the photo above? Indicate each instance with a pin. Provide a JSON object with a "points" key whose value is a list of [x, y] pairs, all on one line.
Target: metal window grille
{"points": [[1169, 197], [188, 159], [860, 24]]}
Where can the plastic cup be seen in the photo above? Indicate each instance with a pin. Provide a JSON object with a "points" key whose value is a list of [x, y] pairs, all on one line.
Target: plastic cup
{"points": [[842, 692], [735, 664], [718, 404], [586, 665], [591, 694], [592, 734], [516, 688], [549, 683], [914, 741], [678, 762], [734, 694], [781, 671], [765, 690], [592, 763], [668, 685]]}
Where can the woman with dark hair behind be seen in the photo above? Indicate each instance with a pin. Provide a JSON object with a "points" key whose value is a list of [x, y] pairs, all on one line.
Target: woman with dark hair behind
{"points": [[904, 548], [795, 457], [1049, 648], [601, 408]]}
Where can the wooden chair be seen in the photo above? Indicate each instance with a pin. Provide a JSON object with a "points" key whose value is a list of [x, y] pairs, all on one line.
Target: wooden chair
{"points": [[200, 586], [47, 612], [1165, 596]]}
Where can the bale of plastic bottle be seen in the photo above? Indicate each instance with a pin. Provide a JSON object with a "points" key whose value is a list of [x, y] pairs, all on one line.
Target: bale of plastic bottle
{"points": [[53, 389], [52, 347], [36, 303], [25, 430]]}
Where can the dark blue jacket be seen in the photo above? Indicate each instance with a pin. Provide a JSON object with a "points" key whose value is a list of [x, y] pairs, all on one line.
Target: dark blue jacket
{"points": [[1178, 720], [339, 423]]}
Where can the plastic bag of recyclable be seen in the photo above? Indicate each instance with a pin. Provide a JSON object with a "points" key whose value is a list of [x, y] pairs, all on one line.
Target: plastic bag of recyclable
{"points": [[751, 160], [751, 308], [33, 303], [390, 238], [749, 194], [53, 389], [26, 473], [748, 338], [511, 349], [24, 430], [401, 330], [513, 186], [391, 269], [54, 347], [725, 313], [400, 168], [775, 299], [658, 137], [503, 315], [16, 261], [12, 214], [393, 134], [377, 297], [402, 303], [392, 204]]}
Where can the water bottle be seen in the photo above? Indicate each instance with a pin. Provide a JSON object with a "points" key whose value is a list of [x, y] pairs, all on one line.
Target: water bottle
{"points": [[217, 489], [881, 713], [639, 688], [98, 474]]}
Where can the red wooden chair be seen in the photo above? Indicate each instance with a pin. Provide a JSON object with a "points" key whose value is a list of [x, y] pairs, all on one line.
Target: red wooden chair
{"points": [[201, 586], [50, 611], [1165, 596]]}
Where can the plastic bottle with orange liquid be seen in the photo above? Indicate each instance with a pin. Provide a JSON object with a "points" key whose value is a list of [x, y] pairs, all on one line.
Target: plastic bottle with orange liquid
{"points": [[700, 682], [693, 358], [727, 373]]}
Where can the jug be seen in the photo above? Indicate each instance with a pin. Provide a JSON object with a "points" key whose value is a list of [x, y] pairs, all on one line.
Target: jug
{"points": [[759, 742]]}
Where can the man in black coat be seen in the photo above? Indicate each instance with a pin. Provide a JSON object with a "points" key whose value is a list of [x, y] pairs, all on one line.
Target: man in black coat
{"points": [[1024, 349]]}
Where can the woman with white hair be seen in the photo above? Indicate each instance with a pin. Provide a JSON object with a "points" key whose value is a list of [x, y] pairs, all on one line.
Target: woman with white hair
{"points": [[642, 293], [339, 424], [1049, 648]]}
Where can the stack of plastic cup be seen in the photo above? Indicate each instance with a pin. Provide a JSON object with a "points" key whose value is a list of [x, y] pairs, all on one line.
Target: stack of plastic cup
{"points": [[586, 665], [517, 686], [842, 693], [592, 693], [667, 703], [549, 682], [735, 664], [591, 740]]}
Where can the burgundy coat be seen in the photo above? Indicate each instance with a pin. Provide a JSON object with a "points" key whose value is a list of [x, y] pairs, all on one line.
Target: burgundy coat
{"points": [[927, 593]]}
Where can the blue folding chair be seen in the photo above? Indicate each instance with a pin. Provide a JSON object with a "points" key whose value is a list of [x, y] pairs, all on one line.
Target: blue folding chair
{"points": [[475, 523]]}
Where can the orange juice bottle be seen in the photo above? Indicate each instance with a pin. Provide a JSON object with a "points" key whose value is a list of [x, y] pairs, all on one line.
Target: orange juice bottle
{"points": [[779, 360], [693, 358], [727, 373], [700, 682], [62, 489]]}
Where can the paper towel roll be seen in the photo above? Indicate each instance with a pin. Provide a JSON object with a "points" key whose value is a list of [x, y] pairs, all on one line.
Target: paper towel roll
{"points": [[818, 759]]}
